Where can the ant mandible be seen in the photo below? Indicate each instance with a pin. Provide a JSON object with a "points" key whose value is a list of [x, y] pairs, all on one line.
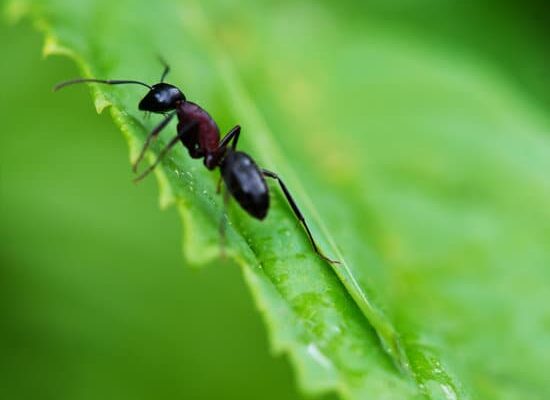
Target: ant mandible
{"points": [[200, 134]]}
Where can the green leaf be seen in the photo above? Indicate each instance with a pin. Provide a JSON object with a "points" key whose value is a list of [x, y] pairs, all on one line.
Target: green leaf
{"points": [[425, 174]]}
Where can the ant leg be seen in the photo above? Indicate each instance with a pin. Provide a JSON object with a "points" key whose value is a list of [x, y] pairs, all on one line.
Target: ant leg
{"points": [[298, 215], [223, 221], [232, 136], [153, 135], [166, 69], [219, 185], [166, 149]]}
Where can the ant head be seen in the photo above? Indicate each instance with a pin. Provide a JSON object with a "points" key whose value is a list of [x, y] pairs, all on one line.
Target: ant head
{"points": [[161, 98]]}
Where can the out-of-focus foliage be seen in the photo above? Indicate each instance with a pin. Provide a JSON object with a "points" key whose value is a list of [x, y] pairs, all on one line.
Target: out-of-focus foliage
{"points": [[423, 144]]}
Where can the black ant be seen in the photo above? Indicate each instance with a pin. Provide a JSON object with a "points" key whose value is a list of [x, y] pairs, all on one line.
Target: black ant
{"points": [[200, 134]]}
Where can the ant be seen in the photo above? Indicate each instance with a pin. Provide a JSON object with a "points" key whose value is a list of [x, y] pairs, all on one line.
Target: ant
{"points": [[200, 134]]}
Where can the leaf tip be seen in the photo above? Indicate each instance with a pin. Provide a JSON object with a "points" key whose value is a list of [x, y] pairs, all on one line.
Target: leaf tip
{"points": [[100, 102], [53, 47]]}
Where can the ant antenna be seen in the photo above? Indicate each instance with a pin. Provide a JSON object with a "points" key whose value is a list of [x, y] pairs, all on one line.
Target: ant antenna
{"points": [[166, 68], [108, 82]]}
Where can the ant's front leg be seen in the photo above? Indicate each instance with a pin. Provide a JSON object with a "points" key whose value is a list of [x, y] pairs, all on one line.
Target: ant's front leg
{"points": [[153, 135], [298, 214], [167, 148]]}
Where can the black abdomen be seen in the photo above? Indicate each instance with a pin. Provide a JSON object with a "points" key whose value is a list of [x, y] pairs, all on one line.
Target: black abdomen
{"points": [[246, 183]]}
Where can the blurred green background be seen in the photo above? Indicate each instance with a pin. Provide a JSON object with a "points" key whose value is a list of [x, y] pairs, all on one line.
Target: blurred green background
{"points": [[95, 302]]}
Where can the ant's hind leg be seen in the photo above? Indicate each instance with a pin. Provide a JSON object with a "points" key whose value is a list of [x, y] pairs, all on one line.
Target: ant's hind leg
{"points": [[219, 185], [298, 215], [153, 135], [223, 221], [166, 149]]}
